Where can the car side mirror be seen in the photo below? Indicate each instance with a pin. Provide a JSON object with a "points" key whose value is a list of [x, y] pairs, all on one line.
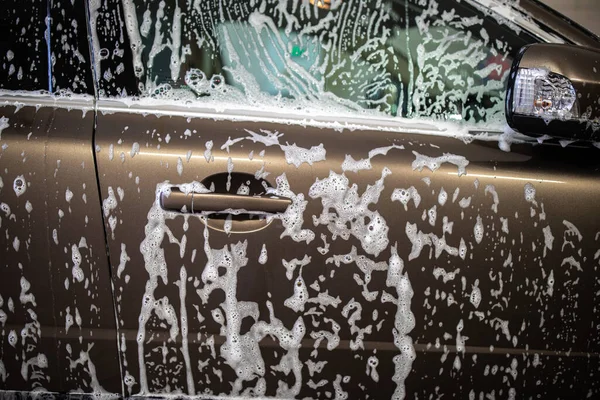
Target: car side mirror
{"points": [[554, 90]]}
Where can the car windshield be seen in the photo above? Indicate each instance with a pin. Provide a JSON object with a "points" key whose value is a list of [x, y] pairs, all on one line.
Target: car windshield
{"points": [[415, 59]]}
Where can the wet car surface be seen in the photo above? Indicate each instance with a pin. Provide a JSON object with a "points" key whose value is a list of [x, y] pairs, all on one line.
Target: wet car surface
{"points": [[290, 200]]}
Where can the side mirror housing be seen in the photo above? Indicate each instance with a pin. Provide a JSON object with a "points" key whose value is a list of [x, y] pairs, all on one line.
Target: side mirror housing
{"points": [[554, 90]]}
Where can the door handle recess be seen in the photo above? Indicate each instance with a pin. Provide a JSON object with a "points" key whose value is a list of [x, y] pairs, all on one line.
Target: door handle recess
{"points": [[222, 203]]}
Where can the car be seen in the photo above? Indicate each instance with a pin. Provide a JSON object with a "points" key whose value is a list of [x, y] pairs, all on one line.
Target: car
{"points": [[298, 199]]}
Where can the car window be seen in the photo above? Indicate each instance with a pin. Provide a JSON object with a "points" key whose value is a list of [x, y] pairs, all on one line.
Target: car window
{"points": [[23, 50], [44, 46], [71, 67], [440, 60]]}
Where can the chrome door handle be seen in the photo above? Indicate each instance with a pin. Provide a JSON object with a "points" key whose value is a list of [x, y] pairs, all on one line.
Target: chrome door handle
{"points": [[222, 203]]}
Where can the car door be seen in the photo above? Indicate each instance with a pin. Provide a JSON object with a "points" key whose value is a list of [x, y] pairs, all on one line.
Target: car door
{"points": [[317, 199], [56, 308]]}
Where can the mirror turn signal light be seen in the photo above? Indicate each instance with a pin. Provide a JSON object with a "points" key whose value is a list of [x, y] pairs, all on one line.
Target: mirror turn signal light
{"points": [[543, 94]]}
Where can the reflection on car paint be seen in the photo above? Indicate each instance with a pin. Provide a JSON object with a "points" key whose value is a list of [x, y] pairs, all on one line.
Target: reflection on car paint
{"points": [[336, 194]]}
